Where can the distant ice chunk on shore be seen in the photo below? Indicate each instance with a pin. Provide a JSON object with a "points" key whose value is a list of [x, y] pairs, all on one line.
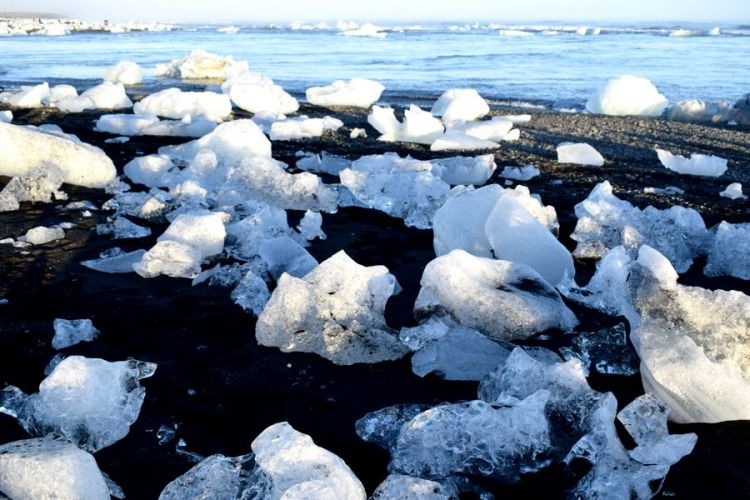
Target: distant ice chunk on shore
{"points": [[338, 313], [28, 96], [725, 257], [696, 110], [579, 154], [460, 104], [71, 332], [357, 93], [495, 129], [201, 65], [465, 170], [125, 72], [204, 231], [302, 127], [176, 104], [733, 191], [697, 164], [453, 140], [628, 96], [418, 125], [40, 235], [525, 173], [366, 30], [258, 94]]}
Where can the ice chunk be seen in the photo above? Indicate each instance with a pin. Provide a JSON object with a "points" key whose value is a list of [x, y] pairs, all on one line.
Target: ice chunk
{"points": [[151, 171], [121, 228], [6, 116], [606, 351], [303, 127], [40, 235], [26, 150], [579, 154], [104, 96], [418, 126], [203, 231], [733, 192], [695, 110], [693, 343], [503, 300], [27, 97], [628, 95], [607, 291], [262, 222], [148, 124], [520, 173], [702, 165], [367, 30], [413, 488], [49, 468], [310, 227], [231, 142], [174, 103], [475, 170], [383, 426], [125, 72], [453, 140], [201, 65], [251, 293], [301, 469], [59, 93], [71, 332], [115, 261], [323, 163], [357, 93], [221, 477], [90, 402], [460, 104], [144, 205], [496, 129], [724, 255], [258, 94], [605, 221], [401, 187], [40, 185], [171, 258], [284, 255], [335, 311]]}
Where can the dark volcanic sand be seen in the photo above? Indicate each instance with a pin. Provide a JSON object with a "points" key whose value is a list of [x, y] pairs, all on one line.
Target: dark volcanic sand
{"points": [[222, 389]]}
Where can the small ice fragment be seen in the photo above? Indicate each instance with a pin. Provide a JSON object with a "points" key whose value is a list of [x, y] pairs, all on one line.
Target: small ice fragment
{"points": [[697, 164], [579, 154], [733, 192], [71, 332], [115, 261]]}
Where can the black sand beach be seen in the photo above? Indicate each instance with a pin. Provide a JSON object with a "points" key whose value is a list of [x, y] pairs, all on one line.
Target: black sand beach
{"points": [[220, 389]]}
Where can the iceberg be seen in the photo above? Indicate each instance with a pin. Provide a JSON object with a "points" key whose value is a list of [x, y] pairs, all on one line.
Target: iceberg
{"points": [[201, 65], [251, 293], [697, 164], [726, 256], [356, 93], [174, 103], [579, 154], [71, 332], [607, 291], [284, 255], [366, 30], [6, 116], [151, 171], [125, 72], [105, 96], [627, 96], [460, 104], [121, 228], [499, 128], [27, 97], [171, 258], [413, 488]]}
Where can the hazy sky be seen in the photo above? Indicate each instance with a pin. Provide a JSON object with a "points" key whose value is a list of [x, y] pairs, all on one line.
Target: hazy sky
{"points": [[379, 10]]}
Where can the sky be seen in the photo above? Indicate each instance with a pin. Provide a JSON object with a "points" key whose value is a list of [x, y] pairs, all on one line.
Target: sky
{"points": [[391, 10]]}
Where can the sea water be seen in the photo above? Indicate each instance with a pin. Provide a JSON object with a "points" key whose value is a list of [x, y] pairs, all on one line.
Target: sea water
{"points": [[553, 64]]}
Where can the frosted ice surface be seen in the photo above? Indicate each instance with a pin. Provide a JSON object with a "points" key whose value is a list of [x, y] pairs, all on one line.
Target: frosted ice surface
{"points": [[231, 142], [693, 343], [171, 258], [605, 221], [413, 488], [262, 222], [324, 163], [628, 95], [251, 293], [605, 351], [383, 426], [734, 192], [520, 173], [115, 261], [40, 185], [726, 256], [49, 468], [501, 299], [607, 291], [125, 72], [401, 187], [453, 140], [175, 103], [418, 125], [149, 124], [579, 154], [697, 164], [70, 332], [475, 170], [335, 311], [151, 171], [311, 226], [121, 228], [258, 94], [284, 255], [460, 104], [301, 469], [302, 127], [357, 92], [40, 235], [26, 150], [495, 129], [201, 65], [90, 402], [202, 230]]}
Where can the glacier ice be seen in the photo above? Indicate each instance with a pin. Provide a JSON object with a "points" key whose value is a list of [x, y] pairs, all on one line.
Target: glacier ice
{"points": [[454, 140], [40, 235], [258, 94], [495, 129], [322, 163], [149, 124], [261, 222], [418, 125], [627, 95], [465, 170], [724, 255], [284, 255], [115, 261], [734, 192], [335, 311], [251, 293], [231, 142], [697, 164], [6, 116], [579, 154], [39, 185], [606, 351], [695, 110], [607, 291], [91, 402], [201, 65], [311, 226], [144, 205], [175, 103], [70, 332], [501, 299], [460, 104], [171, 258], [26, 150], [125, 72], [302, 127], [357, 93], [27, 96], [104, 96]]}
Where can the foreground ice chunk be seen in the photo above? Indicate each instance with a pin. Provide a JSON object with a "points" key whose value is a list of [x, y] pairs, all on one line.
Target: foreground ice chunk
{"points": [[357, 93], [401, 187], [724, 255], [49, 468], [303, 127], [115, 261], [258, 94], [125, 72], [71, 332], [203, 231], [503, 300], [413, 488], [607, 291], [40, 235], [579, 154], [262, 222], [301, 469], [627, 96], [174, 103], [694, 344], [26, 150], [171, 258], [231, 142], [733, 192], [520, 173], [702, 165], [90, 402], [465, 170], [201, 65], [460, 104], [335, 311], [40, 185], [418, 126], [605, 221], [148, 124]]}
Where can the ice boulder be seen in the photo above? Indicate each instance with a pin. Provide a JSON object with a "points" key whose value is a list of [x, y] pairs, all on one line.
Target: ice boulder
{"points": [[741, 110], [49, 467], [298, 468], [303, 127], [27, 96], [460, 104], [579, 154], [25, 150], [175, 103], [71, 332], [251, 293], [401, 187], [258, 94], [284, 255], [418, 125], [628, 96], [357, 93], [726, 255], [501, 299], [231, 142], [121, 228], [201, 65], [465, 170], [697, 164], [694, 344], [734, 192], [335, 311], [504, 224], [203, 231], [125, 72], [91, 402]]}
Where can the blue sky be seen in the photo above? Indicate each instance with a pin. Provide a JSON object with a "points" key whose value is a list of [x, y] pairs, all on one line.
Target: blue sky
{"points": [[394, 10]]}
